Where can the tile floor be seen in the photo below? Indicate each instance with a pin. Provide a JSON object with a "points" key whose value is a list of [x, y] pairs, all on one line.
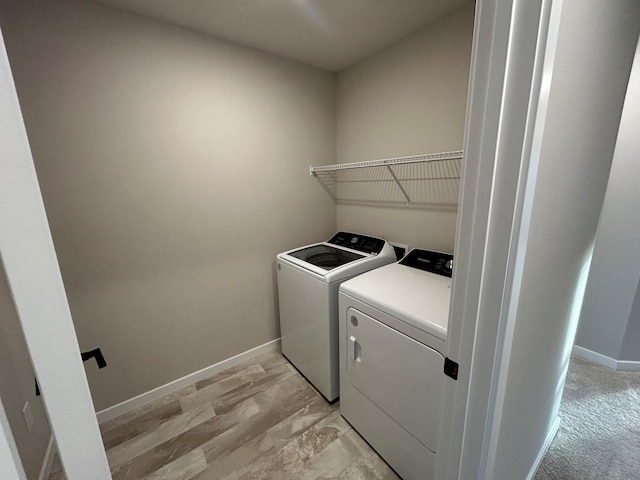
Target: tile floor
{"points": [[258, 420]]}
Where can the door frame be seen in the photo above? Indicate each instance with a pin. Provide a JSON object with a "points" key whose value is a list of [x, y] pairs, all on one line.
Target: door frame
{"points": [[507, 67], [33, 274]]}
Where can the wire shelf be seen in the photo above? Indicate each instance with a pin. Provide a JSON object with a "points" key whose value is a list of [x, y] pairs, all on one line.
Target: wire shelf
{"points": [[427, 181]]}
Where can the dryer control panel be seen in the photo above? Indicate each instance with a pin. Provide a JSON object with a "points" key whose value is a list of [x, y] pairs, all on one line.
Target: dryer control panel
{"points": [[362, 243], [433, 262]]}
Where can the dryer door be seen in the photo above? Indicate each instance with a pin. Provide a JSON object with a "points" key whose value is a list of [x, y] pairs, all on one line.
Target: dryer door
{"points": [[403, 377]]}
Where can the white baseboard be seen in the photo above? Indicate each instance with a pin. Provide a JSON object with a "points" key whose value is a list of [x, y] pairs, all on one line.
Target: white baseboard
{"points": [[594, 357], [628, 366], [159, 392], [545, 448], [47, 463], [599, 358]]}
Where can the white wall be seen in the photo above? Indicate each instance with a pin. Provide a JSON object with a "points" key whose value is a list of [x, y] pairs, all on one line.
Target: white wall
{"points": [[173, 168], [585, 101], [610, 319], [407, 99]]}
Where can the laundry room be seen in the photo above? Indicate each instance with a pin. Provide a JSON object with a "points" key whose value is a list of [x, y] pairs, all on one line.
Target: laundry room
{"points": [[174, 166], [190, 169]]}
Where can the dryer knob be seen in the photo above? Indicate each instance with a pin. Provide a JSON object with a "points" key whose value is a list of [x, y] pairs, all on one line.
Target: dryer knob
{"points": [[449, 264]]}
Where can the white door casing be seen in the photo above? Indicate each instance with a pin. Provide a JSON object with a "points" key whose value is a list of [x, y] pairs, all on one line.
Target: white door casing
{"points": [[33, 275], [510, 42]]}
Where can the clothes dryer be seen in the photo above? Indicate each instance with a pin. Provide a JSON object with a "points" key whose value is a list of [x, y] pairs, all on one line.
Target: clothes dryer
{"points": [[393, 330]]}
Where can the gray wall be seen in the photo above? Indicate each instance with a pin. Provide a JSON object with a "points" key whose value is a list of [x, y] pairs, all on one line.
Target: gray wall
{"points": [[17, 387], [585, 102], [610, 319], [173, 168], [407, 99]]}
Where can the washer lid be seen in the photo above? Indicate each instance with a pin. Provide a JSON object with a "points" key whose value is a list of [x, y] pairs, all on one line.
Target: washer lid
{"points": [[343, 256], [413, 296], [325, 256]]}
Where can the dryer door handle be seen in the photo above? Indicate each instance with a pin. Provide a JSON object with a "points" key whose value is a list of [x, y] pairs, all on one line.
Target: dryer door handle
{"points": [[355, 350]]}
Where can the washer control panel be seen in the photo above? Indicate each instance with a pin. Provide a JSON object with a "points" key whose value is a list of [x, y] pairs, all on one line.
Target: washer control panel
{"points": [[434, 262], [362, 243]]}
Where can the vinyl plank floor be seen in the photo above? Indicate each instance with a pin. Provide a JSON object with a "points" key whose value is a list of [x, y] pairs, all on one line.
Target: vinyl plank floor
{"points": [[257, 420]]}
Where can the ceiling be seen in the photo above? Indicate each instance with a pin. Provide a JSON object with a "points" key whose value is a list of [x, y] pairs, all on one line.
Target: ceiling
{"points": [[330, 34]]}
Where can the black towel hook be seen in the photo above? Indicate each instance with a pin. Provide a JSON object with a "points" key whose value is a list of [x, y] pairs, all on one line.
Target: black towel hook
{"points": [[95, 353]]}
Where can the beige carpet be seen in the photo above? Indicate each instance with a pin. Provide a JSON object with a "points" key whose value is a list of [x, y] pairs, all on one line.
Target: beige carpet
{"points": [[599, 436]]}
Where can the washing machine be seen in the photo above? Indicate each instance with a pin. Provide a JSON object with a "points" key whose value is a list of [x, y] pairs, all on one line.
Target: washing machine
{"points": [[393, 331], [308, 282]]}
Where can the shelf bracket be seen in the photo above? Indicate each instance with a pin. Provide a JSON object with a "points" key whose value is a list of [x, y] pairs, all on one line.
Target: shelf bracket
{"points": [[393, 174], [327, 189]]}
